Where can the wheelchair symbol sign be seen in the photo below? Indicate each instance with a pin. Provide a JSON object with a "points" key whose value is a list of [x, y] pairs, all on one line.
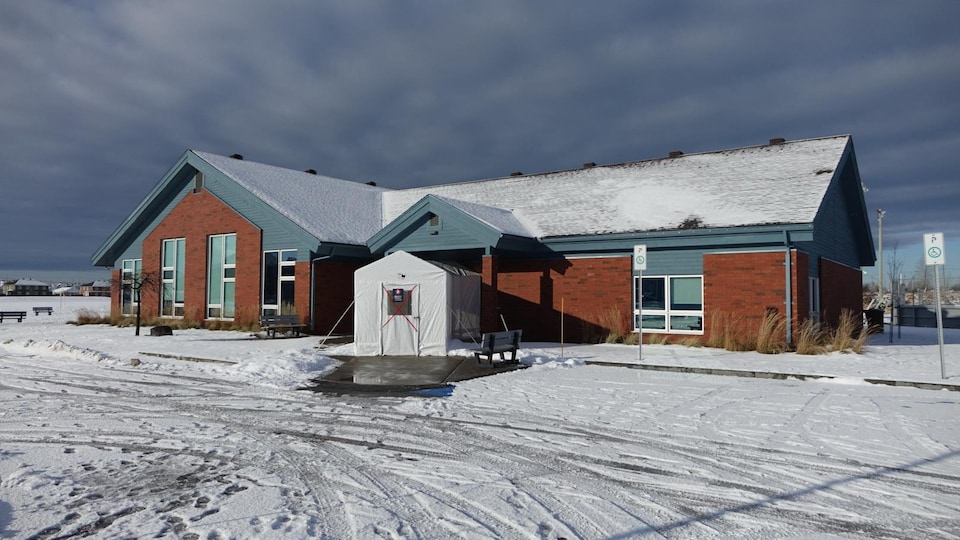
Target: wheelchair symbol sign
{"points": [[640, 257], [934, 249]]}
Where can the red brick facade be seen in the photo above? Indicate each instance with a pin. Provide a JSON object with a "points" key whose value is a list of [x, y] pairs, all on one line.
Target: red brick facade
{"points": [[745, 286], [198, 216], [532, 295], [333, 286], [593, 294], [841, 288]]}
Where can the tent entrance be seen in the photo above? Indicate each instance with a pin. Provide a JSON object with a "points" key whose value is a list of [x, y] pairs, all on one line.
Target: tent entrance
{"points": [[400, 319]]}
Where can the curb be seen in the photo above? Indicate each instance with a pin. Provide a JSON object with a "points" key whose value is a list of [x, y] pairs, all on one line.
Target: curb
{"points": [[772, 375]]}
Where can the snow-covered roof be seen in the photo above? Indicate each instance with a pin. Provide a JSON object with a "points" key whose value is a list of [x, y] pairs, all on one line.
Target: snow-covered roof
{"points": [[31, 283], [331, 209], [769, 184], [760, 185], [499, 219]]}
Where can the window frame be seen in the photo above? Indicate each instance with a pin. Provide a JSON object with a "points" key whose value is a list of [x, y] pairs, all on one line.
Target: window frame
{"points": [[668, 312], [131, 272], [221, 277], [284, 287], [174, 284]]}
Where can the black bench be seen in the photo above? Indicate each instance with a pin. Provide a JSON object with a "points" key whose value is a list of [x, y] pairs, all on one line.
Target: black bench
{"points": [[499, 343], [18, 315], [272, 323], [45, 309]]}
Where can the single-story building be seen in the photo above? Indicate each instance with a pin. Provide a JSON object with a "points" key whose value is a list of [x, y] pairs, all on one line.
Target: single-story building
{"points": [[779, 226], [26, 287]]}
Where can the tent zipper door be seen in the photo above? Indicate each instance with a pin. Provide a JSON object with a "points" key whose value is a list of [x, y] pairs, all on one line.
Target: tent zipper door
{"points": [[400, 319]]}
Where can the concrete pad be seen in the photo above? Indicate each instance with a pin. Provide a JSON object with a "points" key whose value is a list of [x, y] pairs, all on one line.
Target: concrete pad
{"points": [[403, 374]]}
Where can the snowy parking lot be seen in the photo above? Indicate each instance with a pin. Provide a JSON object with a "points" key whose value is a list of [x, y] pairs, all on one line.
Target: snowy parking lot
{"points": [[106, 434]]}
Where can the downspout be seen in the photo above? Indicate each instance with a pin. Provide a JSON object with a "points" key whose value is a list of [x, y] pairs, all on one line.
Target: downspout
{"points": [[313, 264], [788, 263]]}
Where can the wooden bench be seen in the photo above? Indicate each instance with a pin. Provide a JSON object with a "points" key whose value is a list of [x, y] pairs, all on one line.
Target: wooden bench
{"points": [[272, 323], [43, 309], [18, 315], [499, 343]]}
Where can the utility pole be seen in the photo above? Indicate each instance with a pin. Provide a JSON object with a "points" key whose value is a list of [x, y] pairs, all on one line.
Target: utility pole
{"points": [[880, 214]]}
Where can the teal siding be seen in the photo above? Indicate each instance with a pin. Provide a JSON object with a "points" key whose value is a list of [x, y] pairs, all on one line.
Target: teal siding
{"points": [[840, 223], [448, 236], [278, 231]]}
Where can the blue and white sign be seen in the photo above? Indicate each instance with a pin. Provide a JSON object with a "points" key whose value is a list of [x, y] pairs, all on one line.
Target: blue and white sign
{"points": [[639, 257], [933, 249]]}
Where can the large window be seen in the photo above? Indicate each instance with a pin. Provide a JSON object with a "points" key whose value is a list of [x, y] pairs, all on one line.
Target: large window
{"points": [[221, 276], [173, 259], [670, 304], [131, 272], [279, 273]]}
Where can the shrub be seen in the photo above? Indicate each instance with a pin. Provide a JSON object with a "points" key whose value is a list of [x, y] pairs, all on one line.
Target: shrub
{"points": [[690, 342], [809, 338], [849, 334], [658, 339], [771, 336], [613, 321], [88, 316]]}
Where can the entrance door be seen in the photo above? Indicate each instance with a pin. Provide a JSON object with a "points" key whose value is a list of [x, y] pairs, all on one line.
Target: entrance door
{"points": [[400, 319]]}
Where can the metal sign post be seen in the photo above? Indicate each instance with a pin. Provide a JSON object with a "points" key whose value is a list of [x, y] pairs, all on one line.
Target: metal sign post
{"points": [[639, 265], [933, 248]]}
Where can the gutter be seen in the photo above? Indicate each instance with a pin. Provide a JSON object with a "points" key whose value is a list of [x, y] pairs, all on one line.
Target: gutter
{"points": [[788, 264]]}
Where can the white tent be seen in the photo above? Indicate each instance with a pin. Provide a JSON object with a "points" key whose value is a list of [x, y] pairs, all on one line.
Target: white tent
{"points": [[405, 305]]}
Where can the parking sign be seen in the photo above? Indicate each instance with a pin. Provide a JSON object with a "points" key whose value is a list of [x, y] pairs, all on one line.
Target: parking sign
{"points": [[933, 249], [640, 257]]}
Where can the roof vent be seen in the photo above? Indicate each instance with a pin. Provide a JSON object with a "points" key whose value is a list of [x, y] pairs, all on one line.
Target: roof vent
{"points": [[676, 153], [311, 171], [371, 183], [516, 173], [589, 165], [777, 140], [237, 156]]}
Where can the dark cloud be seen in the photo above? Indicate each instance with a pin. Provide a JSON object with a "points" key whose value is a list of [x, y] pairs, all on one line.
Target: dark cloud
{"points": [[99, 99]]}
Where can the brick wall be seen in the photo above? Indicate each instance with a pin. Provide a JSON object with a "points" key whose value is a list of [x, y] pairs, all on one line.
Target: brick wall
{"points": [[333, 284], [841, 288], [196, 217], [531, 295], [746, 285]]}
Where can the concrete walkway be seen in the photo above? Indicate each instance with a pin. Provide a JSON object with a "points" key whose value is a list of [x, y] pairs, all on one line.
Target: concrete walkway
{"points": [[773, 375], [404, 374]]}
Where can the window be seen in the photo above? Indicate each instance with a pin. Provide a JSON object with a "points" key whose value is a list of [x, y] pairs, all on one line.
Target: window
{"points": [[815, 299], [130, 275], [221, 276], [669, 304], [173, 259], [198, 182], [279, 276]]}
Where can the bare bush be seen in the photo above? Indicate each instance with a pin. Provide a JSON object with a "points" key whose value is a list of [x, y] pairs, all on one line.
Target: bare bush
{"points": [[771, 336]]}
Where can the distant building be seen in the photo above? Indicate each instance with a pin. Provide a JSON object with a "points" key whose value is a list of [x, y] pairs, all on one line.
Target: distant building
{"points": [[26, 287], [96, 288]]}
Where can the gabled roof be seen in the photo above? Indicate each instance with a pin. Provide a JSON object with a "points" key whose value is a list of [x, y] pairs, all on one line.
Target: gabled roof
{"points": [[760, 185], [331, 209], [483, 226]]}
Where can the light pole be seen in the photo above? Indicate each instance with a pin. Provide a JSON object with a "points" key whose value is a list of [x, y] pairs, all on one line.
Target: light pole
{"points": [[880, 214]]}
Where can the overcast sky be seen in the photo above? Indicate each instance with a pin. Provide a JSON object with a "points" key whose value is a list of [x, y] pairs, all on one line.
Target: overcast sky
{"points": [[99, 99]]}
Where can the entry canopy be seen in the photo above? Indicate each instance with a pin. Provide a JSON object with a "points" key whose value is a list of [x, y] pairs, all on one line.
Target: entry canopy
{"points": [[406, 306]]}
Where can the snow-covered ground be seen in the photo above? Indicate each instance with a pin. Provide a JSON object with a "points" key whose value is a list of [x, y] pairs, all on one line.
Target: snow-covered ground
{"points": [[95, 444]]}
